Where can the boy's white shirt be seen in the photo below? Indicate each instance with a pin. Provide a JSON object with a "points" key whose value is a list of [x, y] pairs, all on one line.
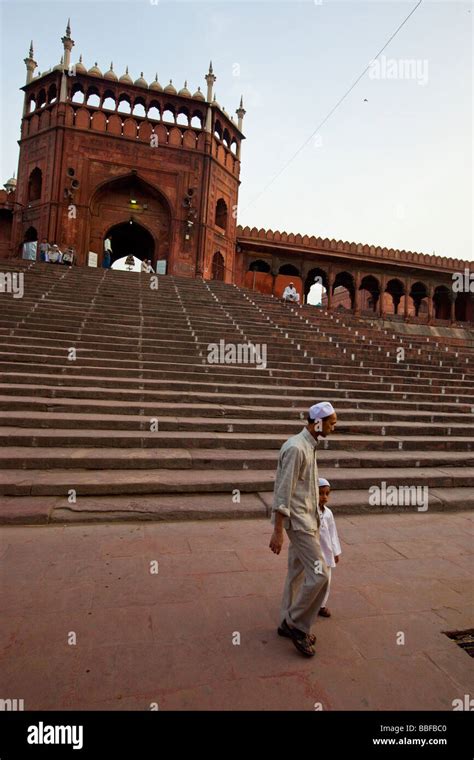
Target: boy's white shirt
{"points": [[328, 537]]}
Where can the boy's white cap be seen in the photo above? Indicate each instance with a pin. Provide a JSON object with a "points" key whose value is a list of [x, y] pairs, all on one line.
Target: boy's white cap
{"points": [[321, 410], [323, 482]]}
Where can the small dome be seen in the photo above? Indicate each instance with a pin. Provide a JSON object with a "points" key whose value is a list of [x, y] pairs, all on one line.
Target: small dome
{"points": [[140, 82], [215, 103], [94, 71], [80, 68], [198, 94], [10, 184], [170, 89], [155, 85], [184, 91], [126, 78], [59, 66], [110, 74]]}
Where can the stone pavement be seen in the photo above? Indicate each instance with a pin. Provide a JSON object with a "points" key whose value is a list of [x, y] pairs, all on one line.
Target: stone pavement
{"points": [[167, 637]]}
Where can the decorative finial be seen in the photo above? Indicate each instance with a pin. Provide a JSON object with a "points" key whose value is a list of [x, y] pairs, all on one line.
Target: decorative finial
{"points": [[186, 83], [156, 77], [141, 74], [80, 58], [126, 69], [95, 64], [68, 28], [211, 70], [241, 113], [31, 49], [111, 65]]}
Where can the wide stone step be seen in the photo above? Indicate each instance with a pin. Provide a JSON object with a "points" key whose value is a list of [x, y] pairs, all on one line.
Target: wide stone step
{"points": [[12, 457], [145, 422], [59, 392], [191, 353], [199, 506], [42, 437], [217, 409], [107, 482], [126, 378]]}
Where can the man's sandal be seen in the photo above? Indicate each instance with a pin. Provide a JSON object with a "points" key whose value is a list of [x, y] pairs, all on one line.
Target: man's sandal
{"points": [[304, 642]]}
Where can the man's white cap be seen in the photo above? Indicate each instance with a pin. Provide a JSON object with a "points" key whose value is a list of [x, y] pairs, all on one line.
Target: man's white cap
{"points": [[321, 410], [323, 482]]}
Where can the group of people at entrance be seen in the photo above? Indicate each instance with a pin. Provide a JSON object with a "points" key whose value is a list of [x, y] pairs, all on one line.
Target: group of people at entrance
{"points": [[300, 507], [51, 253], [146, 265]]}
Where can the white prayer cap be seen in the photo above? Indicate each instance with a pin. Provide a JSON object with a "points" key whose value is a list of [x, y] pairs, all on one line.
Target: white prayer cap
{"points": [[321, 410], [323, 482]]}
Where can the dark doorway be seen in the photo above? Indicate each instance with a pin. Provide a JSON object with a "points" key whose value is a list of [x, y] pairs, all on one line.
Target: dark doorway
{"points": [[218, 267], [130, 238]]}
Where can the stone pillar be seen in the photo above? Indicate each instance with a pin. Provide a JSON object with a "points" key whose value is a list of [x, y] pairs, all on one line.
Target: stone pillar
{"points": [[430, 304], [357, 281], [330, 286], [407, 296], [381, 306], [453, 308]]}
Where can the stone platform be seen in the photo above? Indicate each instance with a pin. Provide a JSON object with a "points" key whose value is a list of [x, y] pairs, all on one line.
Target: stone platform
{"points": [[167, 638]]}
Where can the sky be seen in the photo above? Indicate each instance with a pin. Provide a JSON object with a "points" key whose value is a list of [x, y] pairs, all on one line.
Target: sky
{"points": [[392, 166]]}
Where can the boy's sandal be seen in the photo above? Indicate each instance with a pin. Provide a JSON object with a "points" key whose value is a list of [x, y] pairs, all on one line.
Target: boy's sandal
{"points": [[285, 630], [324, 612]]}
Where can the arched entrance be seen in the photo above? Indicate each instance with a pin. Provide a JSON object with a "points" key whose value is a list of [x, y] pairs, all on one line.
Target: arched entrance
{"points": [[130, 238], [127, 199]]}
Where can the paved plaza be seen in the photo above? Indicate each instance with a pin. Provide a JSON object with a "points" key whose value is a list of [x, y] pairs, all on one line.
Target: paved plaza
{"points": [[157, 610]]}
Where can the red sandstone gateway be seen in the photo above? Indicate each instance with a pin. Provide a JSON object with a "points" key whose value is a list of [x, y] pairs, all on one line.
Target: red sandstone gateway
{"points": [[112, 167]]}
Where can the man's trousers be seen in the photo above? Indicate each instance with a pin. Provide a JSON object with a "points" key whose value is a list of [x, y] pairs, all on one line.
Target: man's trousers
{"points": [[306, 581]]}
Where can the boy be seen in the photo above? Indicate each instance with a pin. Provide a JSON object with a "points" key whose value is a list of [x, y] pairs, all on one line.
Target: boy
{"points": [[328, 537]]}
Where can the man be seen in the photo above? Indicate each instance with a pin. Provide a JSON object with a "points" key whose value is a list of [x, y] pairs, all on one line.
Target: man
{"points": [[296, 510], [44, 249], [107, 256], [55, 254], [68, 256], [291, 294]]}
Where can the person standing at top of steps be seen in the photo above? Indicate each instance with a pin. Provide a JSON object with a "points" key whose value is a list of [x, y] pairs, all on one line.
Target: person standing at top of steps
{"points": [[296, 510]]}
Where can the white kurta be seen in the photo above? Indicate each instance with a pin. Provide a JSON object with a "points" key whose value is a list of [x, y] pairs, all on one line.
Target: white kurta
{"points": [[290, 294], [328, 537]]}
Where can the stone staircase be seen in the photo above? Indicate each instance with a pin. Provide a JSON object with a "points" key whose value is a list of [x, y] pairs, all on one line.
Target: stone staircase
{"points": [[111, 408]]}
